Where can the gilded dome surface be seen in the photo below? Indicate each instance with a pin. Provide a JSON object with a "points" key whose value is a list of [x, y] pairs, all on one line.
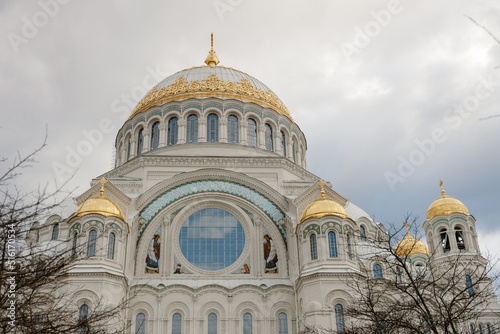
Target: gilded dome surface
{"points": [[323, 207], [409, 246], [211, 81], [100, 205], [445, 205]]}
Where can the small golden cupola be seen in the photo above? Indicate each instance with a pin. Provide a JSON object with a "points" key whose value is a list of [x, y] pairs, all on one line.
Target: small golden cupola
{"points": [[212, 59], [323, 207], [100, 205], [410, 245], [445, 205]]}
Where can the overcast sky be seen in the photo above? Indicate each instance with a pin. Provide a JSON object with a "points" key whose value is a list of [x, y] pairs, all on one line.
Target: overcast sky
{"points": [[392, 95]]}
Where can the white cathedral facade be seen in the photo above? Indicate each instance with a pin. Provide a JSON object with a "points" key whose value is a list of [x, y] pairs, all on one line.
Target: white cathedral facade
{"points": [[212, 223]]}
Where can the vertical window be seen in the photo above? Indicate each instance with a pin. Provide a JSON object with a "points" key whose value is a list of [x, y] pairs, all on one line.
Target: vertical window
{"points": [[472, 331], [212, 128], [377, 271], [232, 129], [82, 317], [293, 152], [445, 242], [283, 144], [314, 248], [140, 142], [128, 149], [176, 323], [155, 135], [111, 246], [349, 247], [398, 275], [192, 129], [92, 243], [140, 324], [459, 236], [282, 324], [332, 244], [212, 323], [38, 322], [269, 138], [172, 131], [339, 317], [247, 323], [251, 132], [480, 327], [470, 289], [488, 329], [55, 232], [362, 233], [37, 235], [73, 246]]}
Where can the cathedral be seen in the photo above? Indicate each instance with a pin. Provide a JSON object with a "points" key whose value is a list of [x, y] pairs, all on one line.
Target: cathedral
{"points": [[211, 223]]}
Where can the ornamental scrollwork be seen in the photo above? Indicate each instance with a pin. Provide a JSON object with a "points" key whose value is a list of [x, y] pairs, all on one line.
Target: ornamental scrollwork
{"points": [[210, 84]]}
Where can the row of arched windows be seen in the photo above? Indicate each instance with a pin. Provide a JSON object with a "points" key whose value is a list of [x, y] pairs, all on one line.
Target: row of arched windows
{"points": [[212, 133], [92, 244], [332, 246], [481, 329], [140, 323]]}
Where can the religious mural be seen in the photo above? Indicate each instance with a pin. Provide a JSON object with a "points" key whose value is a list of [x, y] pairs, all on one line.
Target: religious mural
{"points": [[270, 255], [153, 254]]}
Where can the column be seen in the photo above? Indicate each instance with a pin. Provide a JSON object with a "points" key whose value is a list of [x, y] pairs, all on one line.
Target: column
{"points": [[163, 135], [133, 147], [146, 144], [223, 130], [262, 137], [202, 130], [243, 133], [181, 124]]}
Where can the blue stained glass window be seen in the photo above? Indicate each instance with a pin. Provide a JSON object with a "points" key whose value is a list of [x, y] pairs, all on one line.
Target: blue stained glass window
{"points": [[155, 135], [283, 144], [172, 131], [111, 246], [140, 141], [339, 317], [212, 323], [282, 324], [470, 289], [377, 271], [488, 328], [232, 129], [192, 129], [55, 232], [314, 248], [92, 241], [212, 128], [472, 331], [212, 239], [251, 132], [140, 324], [480, 327], [269, 138], [177, 324], [84, 312], [247, 323], [332, 244]]}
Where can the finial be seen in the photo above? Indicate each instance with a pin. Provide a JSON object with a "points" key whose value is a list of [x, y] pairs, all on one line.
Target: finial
{"points": [[441, 185], [407, 230], [322, 183], [102, 182], [212, 59]]}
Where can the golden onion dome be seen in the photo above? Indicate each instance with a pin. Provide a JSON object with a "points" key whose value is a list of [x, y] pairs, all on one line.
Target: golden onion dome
{"points": [[410, 245], [323, 207], [445, 205], [100, 205], [211, 81]]}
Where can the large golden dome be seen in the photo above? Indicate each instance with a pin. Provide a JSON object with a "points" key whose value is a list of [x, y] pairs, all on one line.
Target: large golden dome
{"points": [[445, 205], [100, 205], [211, 81], [410, 245], [323, 207]]}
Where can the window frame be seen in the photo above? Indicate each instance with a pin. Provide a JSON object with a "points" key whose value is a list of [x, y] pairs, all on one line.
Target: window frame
{"points": [[313, 243], [92, 244]]}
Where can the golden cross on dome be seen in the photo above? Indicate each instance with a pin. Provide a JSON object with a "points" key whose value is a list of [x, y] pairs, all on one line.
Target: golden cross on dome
{"points": [[441, 185], [102, 182], [407, 230], [322, 183]]}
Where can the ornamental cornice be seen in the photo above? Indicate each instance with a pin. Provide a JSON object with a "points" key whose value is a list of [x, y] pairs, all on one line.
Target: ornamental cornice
{"points": [[210, 87]]}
